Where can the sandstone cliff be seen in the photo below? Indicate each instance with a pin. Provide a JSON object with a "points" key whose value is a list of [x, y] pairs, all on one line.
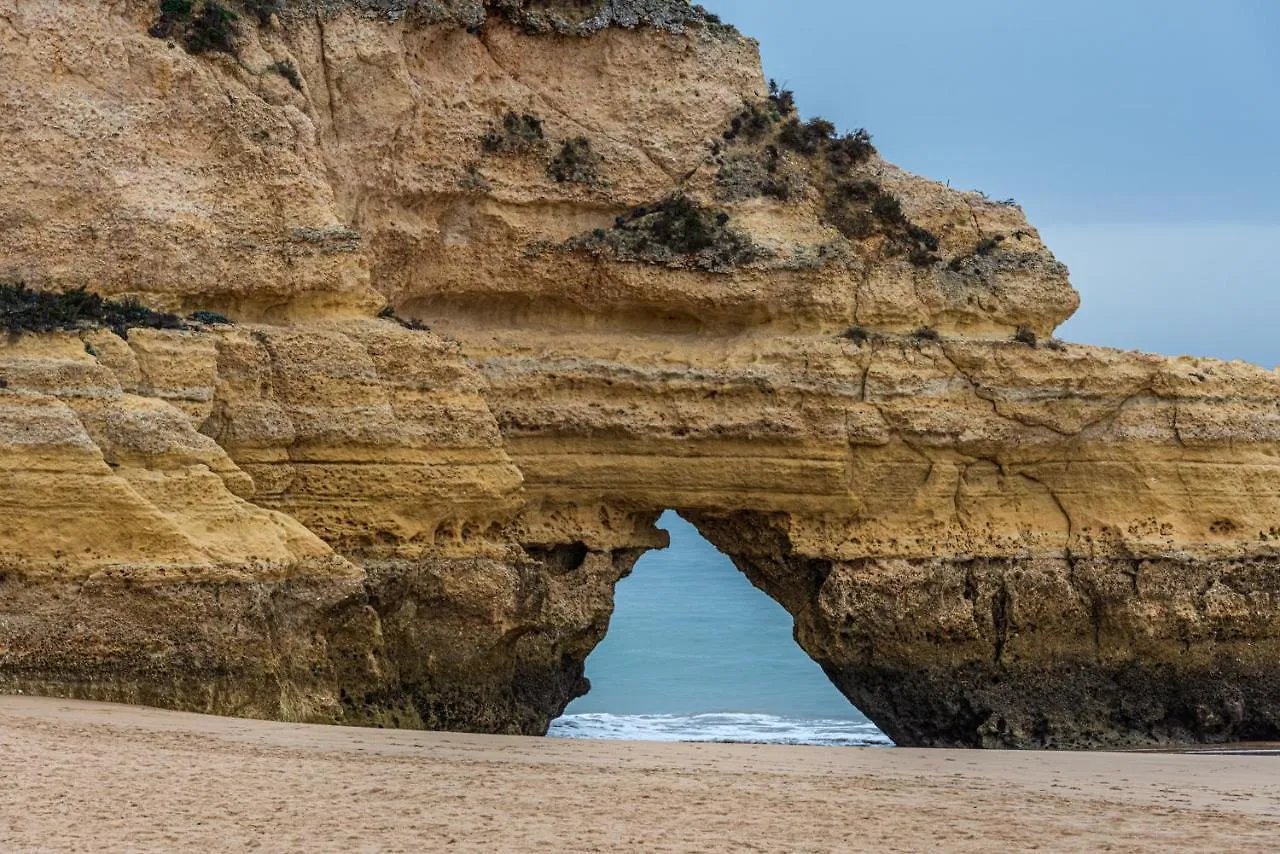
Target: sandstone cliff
{"points": [[649, 285]]}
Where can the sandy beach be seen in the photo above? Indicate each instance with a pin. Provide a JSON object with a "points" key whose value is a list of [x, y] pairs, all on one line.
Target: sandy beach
{"points": [[80, 776]]}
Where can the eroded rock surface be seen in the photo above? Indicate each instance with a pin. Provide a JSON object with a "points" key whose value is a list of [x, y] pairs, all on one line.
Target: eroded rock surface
{"points": [[649, 285]]}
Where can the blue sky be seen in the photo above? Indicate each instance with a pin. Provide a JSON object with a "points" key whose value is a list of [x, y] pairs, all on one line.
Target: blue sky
{"points": [[1143, 139]]}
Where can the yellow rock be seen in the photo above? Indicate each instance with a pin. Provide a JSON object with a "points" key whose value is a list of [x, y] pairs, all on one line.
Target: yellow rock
{"points": [[841, 372]]}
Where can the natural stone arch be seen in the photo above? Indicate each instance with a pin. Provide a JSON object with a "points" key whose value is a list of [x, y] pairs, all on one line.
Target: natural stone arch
{"points": [[691, 604], [987, 652], [327, 516]]}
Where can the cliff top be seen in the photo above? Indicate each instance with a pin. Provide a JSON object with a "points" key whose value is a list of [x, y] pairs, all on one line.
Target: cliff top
{"points": [[564, 17]]}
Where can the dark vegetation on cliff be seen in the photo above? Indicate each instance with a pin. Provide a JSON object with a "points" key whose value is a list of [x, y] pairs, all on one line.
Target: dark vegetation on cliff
{"points": [[24, 309], [286, 69], [523, 133], [209, 25], [585, 17], [926, 333], [518, 133], [857, 334], [985, 247], [771, 127], [473, 180], [575, 163], [768, 151], [860, 209], [210, 318], [203, 26], [677, 232], [389, 313]]}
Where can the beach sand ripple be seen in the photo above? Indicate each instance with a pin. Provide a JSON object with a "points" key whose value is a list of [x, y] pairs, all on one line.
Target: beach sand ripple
{"points": [[78, 776]]}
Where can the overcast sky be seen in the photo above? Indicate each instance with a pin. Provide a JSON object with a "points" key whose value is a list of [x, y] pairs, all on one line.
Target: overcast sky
{"points": [[1141, 137]]}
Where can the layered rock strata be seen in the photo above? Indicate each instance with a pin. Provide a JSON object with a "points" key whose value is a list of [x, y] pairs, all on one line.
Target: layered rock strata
{"points": [[649, 285]]}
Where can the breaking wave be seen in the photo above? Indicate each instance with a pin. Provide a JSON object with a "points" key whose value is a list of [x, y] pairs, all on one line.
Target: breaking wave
{"points": [[722, 727]]}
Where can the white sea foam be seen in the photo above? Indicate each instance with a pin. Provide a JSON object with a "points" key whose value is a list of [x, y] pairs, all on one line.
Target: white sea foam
{"points": [[726, 727]]}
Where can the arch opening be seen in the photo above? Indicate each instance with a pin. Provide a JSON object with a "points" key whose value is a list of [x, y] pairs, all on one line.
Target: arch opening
{"points": [[695, 652]]}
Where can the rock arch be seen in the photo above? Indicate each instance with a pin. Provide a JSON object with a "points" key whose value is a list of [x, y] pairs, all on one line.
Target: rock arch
{"points": [[327, 512]]}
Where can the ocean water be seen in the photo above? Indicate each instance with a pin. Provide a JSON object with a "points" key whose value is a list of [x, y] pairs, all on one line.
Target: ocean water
{"points": [[696, 653]]}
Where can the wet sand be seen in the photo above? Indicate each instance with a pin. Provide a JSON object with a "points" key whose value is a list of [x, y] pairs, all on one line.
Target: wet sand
{"points": [[78, 776]]}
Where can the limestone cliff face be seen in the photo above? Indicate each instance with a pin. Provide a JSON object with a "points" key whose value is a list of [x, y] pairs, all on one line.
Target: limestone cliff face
{"points": [[648, 286]]}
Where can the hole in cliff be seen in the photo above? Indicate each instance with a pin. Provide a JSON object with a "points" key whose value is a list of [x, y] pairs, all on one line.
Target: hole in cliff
{"points": [[564, 558], [694, 652]]}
